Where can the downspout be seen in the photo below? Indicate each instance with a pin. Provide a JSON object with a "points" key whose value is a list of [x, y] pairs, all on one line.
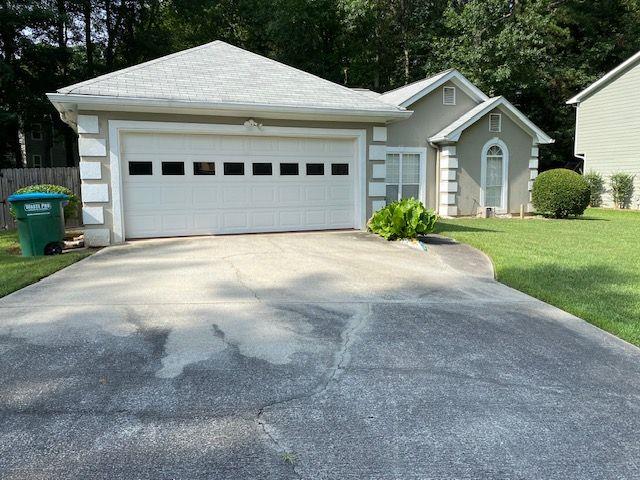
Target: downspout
{"points": [[575, 139]]}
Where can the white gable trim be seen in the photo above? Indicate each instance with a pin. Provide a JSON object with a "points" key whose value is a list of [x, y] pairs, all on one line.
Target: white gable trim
{"points": [[70, 102], [612, 75], [452, 134], [456, 78], [117, 127]]}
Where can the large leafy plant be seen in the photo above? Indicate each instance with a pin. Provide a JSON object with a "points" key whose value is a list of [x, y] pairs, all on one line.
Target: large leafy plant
{"points": [[407, 218]]}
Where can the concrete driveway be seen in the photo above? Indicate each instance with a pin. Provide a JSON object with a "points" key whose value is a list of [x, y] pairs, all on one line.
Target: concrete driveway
{"points": [[315, 356]]}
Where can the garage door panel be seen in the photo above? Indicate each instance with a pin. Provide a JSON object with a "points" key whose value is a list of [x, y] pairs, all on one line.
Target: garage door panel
{"points": [[289, 194], [207, 222], [165, 205], [264, 220], [175, 197], [263, 194], [316, 193], [316, 218], [175, 223], [235, 220], [204, 197]]}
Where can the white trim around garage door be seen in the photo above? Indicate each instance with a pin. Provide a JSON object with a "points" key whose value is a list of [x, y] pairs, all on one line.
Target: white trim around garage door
{"points": [[117, 127]]}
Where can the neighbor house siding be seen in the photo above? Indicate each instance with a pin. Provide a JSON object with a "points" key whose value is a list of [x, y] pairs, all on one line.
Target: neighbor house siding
{"points": [[104, 209], [469, 153], [429, 116], [608, 130]]}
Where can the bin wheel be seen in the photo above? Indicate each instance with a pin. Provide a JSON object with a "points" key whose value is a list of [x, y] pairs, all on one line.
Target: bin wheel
{"points": [[53, 249]]}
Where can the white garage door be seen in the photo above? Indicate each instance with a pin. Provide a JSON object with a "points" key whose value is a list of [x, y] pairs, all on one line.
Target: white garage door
{"points": [[177, 184]]}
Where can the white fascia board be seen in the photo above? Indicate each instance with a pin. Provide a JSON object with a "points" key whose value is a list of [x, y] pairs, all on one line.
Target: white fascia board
{"points": [[604, 80], [508, 108], [65, 102], [457, 78]]}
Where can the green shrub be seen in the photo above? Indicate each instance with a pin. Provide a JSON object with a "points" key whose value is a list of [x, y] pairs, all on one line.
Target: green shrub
{"points": [[622, 189], [72, 208], [407, 218], [559, 193], [596, 187]]}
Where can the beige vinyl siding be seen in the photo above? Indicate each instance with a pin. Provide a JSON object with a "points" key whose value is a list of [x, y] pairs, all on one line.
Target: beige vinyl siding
{"points": [[608, 129]]}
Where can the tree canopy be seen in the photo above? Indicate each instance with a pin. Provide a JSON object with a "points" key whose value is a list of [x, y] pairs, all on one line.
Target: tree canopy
{"points": [[537, 53]]}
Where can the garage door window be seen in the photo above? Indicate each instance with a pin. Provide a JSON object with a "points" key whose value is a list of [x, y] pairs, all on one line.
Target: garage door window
{"points": [[233, 168], [288, 169], [140, 168], [315, 168], [262, 169], [204, 168], [339, 169], [172, 168]]}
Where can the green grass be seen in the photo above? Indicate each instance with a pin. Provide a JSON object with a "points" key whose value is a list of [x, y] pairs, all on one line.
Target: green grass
{"points": [[17, 271], [589, 266]]}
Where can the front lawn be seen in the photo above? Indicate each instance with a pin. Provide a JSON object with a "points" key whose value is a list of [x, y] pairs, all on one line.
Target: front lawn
{"points": [[17, 272], [589, 267]]}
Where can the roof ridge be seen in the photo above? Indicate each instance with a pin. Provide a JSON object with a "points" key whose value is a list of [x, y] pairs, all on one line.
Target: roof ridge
{"points": [[132, 68], [443, 72]]}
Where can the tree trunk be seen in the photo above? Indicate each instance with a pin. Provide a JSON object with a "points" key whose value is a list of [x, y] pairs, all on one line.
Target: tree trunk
{"points": [[86, 9]]}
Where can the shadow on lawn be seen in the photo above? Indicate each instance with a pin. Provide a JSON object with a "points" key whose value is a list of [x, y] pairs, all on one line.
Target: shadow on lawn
{"points": [[456, 227]]}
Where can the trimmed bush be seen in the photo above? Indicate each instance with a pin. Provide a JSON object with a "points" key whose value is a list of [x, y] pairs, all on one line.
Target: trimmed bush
{"points": [[407, 218], [622, 189], [559, 193], [72, 208], [596, 187]]}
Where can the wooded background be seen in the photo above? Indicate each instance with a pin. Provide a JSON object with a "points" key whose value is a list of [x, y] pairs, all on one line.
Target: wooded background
{"points": [[537, 53]]}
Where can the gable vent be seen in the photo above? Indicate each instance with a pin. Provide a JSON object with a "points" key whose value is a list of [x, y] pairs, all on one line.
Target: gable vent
{"points": [[449, 95], [495, 122]]}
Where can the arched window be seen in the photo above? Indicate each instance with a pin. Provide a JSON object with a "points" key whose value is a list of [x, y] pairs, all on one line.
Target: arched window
{"points": [[494, 175]]}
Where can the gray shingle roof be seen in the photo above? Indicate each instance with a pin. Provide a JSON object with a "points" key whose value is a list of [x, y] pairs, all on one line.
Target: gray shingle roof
{"points": [[221, 73], [399, 95]]}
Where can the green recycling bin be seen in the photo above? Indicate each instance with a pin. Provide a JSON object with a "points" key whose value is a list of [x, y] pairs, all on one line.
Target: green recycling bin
{"points": [[40, 219]]}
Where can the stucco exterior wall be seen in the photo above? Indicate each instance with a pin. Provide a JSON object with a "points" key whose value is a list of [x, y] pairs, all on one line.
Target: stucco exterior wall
{"points": [[429, 117], [95, 162], [608, 130], [469, 153]]}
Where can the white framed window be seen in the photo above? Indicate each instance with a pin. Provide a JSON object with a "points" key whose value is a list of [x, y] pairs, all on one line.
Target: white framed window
{"points": [[495, 175], [406, 173], [36, 131], [449, 96], [495, 122], [36, 160]]}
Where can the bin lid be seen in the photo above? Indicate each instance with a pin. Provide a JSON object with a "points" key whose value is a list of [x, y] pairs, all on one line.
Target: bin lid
{"points": [[25, 197]]}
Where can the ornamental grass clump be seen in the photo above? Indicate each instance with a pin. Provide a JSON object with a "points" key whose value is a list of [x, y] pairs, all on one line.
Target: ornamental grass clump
{"points": [[407, 218], [622, 189], [596, 188], [559, 193]]}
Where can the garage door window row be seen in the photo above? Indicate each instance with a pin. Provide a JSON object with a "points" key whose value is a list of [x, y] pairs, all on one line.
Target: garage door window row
{"points": [[237, 168]]}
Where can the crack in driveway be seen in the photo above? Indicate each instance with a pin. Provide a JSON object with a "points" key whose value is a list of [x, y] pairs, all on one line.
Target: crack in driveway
{"points": [[342, 358]]}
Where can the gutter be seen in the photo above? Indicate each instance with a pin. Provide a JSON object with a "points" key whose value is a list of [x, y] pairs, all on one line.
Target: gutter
{"points": [[70, 102]]}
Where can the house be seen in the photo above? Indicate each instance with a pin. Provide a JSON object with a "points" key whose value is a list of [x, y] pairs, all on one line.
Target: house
{"points": [[47, 145], [216, 139], [607, 134]]}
